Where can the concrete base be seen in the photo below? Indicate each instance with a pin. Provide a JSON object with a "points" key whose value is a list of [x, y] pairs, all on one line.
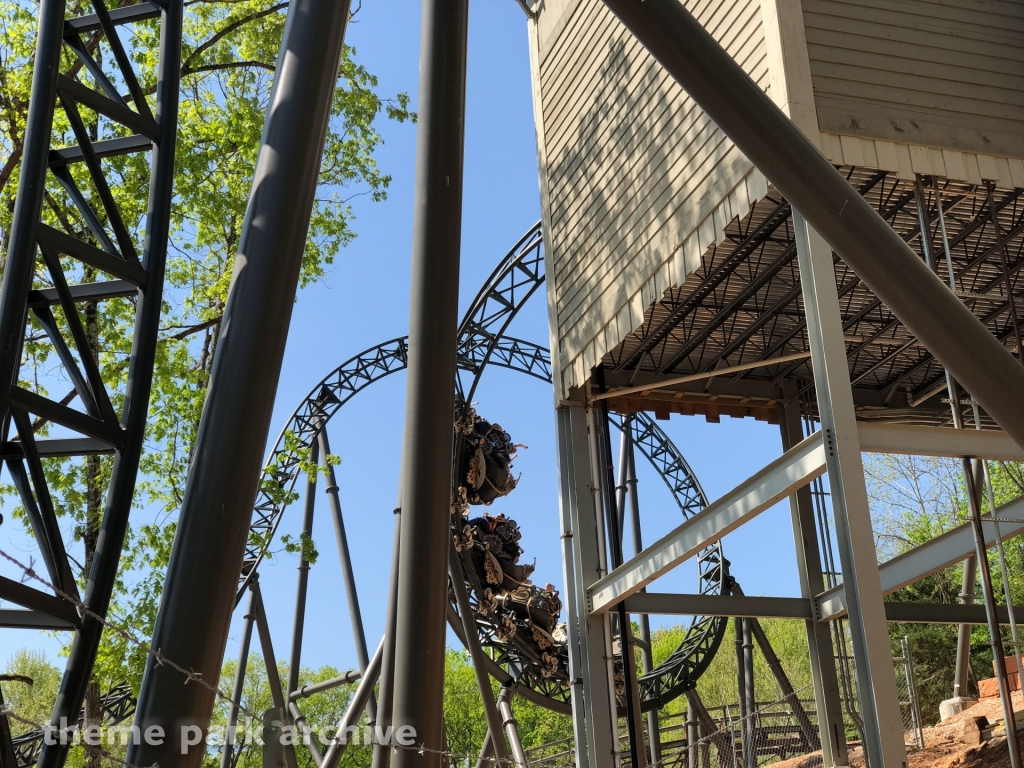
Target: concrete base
{"points": [[954, 706]]}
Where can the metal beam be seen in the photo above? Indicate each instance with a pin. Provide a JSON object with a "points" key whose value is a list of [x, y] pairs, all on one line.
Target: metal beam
{"points": [[827, 700], [794, 469], [223, 480], [593, 719], [848, 222], [665, 604], [15, 618], [430, 398], [931, 557], [910, 440], [876, 685], [33, 599]]}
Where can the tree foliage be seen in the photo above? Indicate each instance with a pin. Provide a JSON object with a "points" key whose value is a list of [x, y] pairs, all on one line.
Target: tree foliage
{"points": [[229, 56], [914, 499]]}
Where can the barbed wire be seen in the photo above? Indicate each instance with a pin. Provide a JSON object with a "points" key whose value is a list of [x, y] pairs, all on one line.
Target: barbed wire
{"points": [[192, 676], [30, 572], [125, 634]]}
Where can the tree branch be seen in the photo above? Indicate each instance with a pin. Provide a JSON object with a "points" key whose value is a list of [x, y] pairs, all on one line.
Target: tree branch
{"points": [[193, 328], [226, 65], [229, 29]]}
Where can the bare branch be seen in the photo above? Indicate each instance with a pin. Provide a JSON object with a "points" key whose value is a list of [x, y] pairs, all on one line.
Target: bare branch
{"points": [[227, 65], [217, 37]]}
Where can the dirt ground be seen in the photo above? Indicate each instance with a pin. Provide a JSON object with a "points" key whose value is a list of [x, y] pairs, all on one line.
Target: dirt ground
{"points": [[944, 747]]}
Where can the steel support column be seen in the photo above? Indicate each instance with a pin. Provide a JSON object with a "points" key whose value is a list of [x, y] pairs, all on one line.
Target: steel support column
{"points": [[511, 726], [594, 722], [476, 653], [828, 704], [227, 751], [430, 399], [962, 672], [847, 221], [345, 559], [277, 693], [653, 725], [876, 682], [295, 659], [750, 701], [381, 751], [613, 524], [202, 577]]}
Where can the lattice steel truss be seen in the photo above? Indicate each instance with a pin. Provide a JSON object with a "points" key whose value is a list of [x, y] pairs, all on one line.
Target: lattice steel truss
{"points": [[57, 267], [744, 304]]}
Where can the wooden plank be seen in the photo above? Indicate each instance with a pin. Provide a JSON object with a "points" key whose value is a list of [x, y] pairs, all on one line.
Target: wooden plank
{"points": [[942, 98], [927, 50]]}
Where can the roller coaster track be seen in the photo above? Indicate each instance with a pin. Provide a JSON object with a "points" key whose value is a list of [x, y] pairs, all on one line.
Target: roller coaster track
{"points": [[58, 270], [483, 342]]}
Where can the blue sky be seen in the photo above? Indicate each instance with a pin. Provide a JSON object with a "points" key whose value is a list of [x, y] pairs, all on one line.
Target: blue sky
{"points": [[364, 301]]}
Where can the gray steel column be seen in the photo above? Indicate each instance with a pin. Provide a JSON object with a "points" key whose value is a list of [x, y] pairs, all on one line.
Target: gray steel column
{"points": [[273, 731], [277, 693], [596, 487], [382, 752], [347, 573], [876, 680], [594, 722], [963, 631], [807, 179], [571, 585], [476, 653], [963, 639], [749, 734], [430, 398], [988, 594], [202, 577], [303, 580], [511, 726], [692, 758], [236, 693], [828, 703], [613, 520], [741, 684], [653, 726]]}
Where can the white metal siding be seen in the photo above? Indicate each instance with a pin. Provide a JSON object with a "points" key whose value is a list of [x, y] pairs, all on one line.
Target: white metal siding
{"points": [[940, 73], [638, 181]]}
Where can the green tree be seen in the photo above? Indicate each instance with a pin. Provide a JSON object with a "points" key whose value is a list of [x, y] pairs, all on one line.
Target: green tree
{"points": [[323, 712], [914, 499], [464, 719], [229, 55], [30, 702]]}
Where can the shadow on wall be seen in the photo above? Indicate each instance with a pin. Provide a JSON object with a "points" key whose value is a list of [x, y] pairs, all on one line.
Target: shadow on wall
{"points": [[634, 164]]}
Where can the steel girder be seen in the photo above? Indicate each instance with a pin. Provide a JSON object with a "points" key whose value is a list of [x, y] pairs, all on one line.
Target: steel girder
{"points": [[44, 270], [754, 315]]}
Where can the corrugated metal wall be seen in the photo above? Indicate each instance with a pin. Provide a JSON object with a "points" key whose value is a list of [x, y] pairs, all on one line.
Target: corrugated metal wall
{"points": [[941, 73], [632, 170]]}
